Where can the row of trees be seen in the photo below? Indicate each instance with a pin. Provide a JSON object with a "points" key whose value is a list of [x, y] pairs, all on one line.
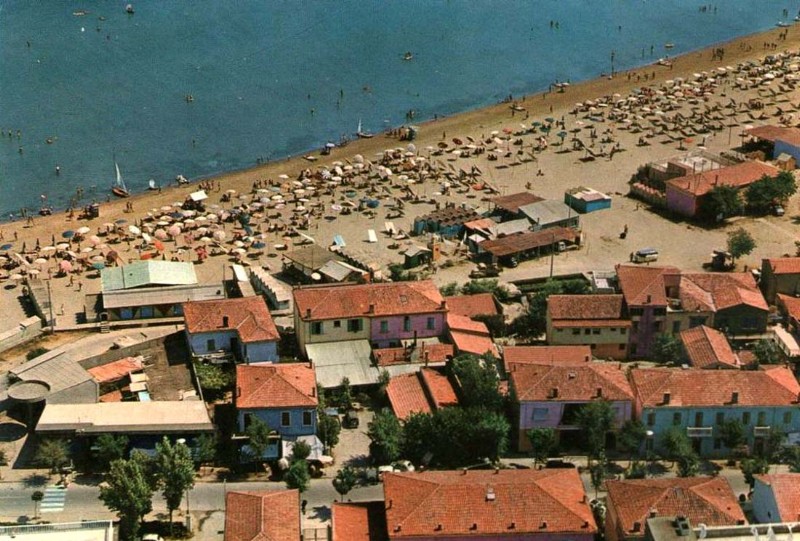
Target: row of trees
{"points": [[724, 201]]}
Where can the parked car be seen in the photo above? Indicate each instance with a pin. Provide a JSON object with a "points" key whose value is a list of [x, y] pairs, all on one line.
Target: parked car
{"points": [[778, 210], [350, 419]]}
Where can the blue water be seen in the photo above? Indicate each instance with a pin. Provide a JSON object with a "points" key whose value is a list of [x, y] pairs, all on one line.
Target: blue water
{"points": [[256, 69]]}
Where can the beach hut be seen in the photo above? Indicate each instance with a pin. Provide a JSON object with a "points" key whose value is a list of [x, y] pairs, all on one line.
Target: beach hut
{"points": [[585, 200]]}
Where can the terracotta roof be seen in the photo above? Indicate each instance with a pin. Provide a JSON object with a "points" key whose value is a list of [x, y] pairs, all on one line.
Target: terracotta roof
{"points": [[512, 202], [389, 299], [790, 304], [113, 396], [786, 491], [584, 307], [737, 176], [707, 500], [451, 504], [773, 133], [361, 521], [712, 291], [420, 392], [262, 516], [708, 348], [644, 285], [248, 316], [694, 387], [784, 265], [534, 382], [116, 370], [522, 242], [468, 342], [481, 304], [436, 353], [555, 355], [276, 385], [456, 322]]}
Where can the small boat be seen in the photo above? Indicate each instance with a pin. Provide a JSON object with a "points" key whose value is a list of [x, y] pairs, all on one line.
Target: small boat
{"points": [[129, 9], [151, 185], [362, 134], [80, 12], [669, 45], [408, 56], [782, 24], [118, 188], [664, 62]]}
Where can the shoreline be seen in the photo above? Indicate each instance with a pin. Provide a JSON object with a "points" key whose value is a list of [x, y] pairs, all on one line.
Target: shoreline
{"points": [[470, 122]]}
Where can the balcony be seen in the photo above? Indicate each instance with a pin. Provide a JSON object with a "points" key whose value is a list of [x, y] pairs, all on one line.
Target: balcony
{"points": [[700, 431], [761, 431]]}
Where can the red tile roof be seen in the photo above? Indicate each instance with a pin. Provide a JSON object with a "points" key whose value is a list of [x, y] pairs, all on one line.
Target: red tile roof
{"points": [[644, 285], [512, 202], [361, 521], [791, 305], [406, 396], [712, 291], [772, 133], [276, 386], [262, 516], [478, 344], [737, 176], [534, 382], [584, 307], [786, 491], [436, 353], [248, 316], [555, 355], [784, 265], [456, 322], [439, 389], [481, 304], [375, 300], [707, 500], [694, 387], [452, 504], [708, 348], [116, 370]]}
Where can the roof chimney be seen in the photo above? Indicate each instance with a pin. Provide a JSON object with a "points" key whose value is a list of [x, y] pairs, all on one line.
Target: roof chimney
{"points": [[572, 375], [490, 496], [735, 397], [463, 471], [667, 397], [543, 525], [474, 526], [599, 392], [554, 392], [637, 526], [512, 526], [649, 298], [308, 313], [444, 305], [390, 504], [371, 309], [225, 321], [653, 512], [439, 527]]}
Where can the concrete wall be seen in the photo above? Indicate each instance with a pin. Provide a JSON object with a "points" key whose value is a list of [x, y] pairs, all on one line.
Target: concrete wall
{"points": [[609, 342], [418, 324], [330, 332], [253, 352], [681, 202], [272, 417], [27, 329]]}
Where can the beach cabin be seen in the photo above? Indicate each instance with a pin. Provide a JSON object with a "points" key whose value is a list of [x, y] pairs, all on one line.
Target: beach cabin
{"points": [[586, 200], [550, 213]]}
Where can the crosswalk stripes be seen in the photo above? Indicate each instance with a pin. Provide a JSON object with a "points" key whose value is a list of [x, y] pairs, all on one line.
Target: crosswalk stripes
{"points": [[54, 499]]}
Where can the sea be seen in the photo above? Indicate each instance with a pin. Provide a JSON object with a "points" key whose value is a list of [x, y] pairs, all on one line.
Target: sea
{"points": [[199, 87]]}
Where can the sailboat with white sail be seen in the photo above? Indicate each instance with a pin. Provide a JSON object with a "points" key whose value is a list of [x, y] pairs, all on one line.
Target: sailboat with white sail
{"points": [[118, 188]]}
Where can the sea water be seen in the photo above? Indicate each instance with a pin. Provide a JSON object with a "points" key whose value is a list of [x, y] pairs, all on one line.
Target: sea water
{"points": [[273, 78]]}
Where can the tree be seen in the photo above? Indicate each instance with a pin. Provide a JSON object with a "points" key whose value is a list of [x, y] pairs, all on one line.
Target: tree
{"points": [[478, 382], [733, 434], [597, 472], [110, 448], [773, 444], [35, 352], [532, 323], [667, 349], [297, 475], [36, 497], [688, 465], [345, 394], [543, 443], [345, 480], [740, 243], [753, 466], [631, 436], [205, 448], [127, 491], [486, 285], [52, 453], [791, 457], [328, 429], [259, 434], [386, 438], [449, 290], [767, 191], [596, 419], [175, 469], [679, 449], [212, 377], [300, 450], [766, 351], [722, 201]]}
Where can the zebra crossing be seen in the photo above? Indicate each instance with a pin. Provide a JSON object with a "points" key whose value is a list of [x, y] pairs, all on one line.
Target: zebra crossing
{"points": [[54, 499]]}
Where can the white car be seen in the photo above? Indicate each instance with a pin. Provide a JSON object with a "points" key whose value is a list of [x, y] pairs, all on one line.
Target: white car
{"points": [[152, 537]]}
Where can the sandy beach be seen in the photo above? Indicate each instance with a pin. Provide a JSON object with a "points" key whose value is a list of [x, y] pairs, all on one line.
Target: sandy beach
{"points": [[681, 244]]}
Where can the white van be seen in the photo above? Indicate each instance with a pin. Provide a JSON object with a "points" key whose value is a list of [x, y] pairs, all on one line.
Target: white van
{"points": [[645, 255]]}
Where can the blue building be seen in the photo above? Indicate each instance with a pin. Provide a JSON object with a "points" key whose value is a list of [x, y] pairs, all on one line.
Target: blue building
{"points": [[698, 402], [586, 200]]}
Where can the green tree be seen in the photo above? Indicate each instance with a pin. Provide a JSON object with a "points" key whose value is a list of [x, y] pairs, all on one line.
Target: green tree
{"points": [[631, 436], [486, 285], [300, 450], [297, 476], [543, 442], [667, 349], [597, 472], [791, 457], [679, 449], [259, 435], [175, 469], [345, 394], [205, 448], [532, 323], [386, 438], [35, 352], [344, 481], [110, 448], [328, 430], [740, 243], [722, 201], [753, 466], [767, 191], [449, 290], [766, 352], [127, 491], [596, 419], [478, 382], [212, 377], [773, 444], [36, 498], [688, 465], [52, 453], [732, 433]]}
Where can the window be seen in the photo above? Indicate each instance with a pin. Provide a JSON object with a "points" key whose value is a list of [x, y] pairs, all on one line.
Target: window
{"points": [[623, 330], [717, 443], [660, 312], [633, 349], [576, 331], [587, 331], [746, 417], [147, 311], [787, 417], [635, 311], [430, 324], [211, 345], [622, 347], [762, 418], [656, 326], [592, 346], [248, 420], [676, 418], [407, 324], [651, 419], [595, 331], [539, 414], [306, 418], [286, 418], [634, 326], [384, 327], [720, 417], [676, 327], [354, 325], [316, 327], [696, 321], [698, 418], [337, 324]]}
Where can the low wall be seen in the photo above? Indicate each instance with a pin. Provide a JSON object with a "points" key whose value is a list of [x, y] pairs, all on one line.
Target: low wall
{"points": [[27, 329]]}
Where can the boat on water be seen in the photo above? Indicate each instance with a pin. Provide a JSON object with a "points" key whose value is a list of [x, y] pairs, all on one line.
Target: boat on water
{"points": [[669, 45], [362, 134], [129, 9], [782, 24], [118, 188], [151, 185], [408, 56]]}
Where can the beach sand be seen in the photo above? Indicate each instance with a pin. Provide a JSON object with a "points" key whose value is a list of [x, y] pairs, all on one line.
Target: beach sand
{"points": [[681, 244]]}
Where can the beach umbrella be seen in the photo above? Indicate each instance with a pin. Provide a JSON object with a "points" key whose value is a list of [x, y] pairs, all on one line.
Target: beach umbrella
{"points": [[219, 236], [33, 272], [238, 244], [239, 251], [121, 221], [62, 246], [87, 249], [68, 234], [6, 247], [158, 245], [16, 276], [205, 240], [174, 230], [94, 239], [133, 230], [82, 230], [258, 245], [161, 234], [65, 265], [99, 265], [39, 261]]}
